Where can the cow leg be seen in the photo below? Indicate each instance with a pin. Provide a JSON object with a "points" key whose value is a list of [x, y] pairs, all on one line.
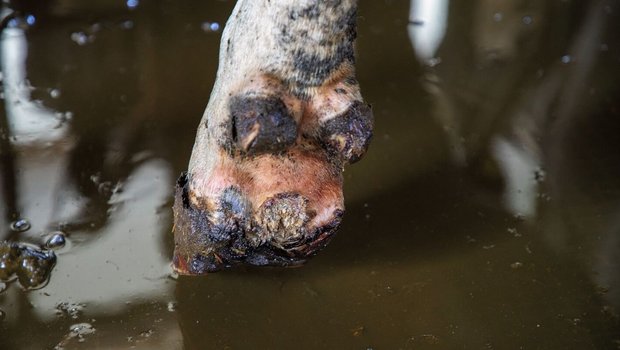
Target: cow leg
{"points": [[264, 183]]}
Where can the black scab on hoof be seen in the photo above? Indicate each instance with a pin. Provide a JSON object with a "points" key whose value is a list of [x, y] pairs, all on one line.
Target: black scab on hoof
{"points": [[182, 189], [230, 218], [271, 256], [261, 124], [233, 202], [201, 264], [349, 134], [200, 232]]}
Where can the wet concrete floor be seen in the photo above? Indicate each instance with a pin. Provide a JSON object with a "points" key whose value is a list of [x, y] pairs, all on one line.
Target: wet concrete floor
{"points": [[486, 214]]}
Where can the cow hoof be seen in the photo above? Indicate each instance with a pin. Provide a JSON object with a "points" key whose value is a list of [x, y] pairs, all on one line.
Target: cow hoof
{"points": [[273, 196], [267, 209], [264, 183]]}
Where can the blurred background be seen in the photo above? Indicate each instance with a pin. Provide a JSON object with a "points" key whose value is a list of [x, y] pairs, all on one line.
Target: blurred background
{"points": [[486, 214]]}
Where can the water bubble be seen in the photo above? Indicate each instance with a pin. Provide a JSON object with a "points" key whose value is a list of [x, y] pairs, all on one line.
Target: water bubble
{"points": [[31, 20], [82, 328], [82, 38], [498, 16], [64, 117], [54, 93], [79, 38], [79, 330], [132, 4], [20, 225], [12, 23], [566, 59], [56, 240], [34, 267], [527, 20], [73, 310], [210, 26]]}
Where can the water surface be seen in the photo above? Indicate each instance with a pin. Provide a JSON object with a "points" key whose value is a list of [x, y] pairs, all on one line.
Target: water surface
{"points": [[486, 214]]}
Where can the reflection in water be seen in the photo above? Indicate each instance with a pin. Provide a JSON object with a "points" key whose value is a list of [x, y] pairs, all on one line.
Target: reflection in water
{"points": [[127, 261], [29, 123], [427, 27], [127, 258], [533, 131], [486, 212], [518, 168], [30, 130]]}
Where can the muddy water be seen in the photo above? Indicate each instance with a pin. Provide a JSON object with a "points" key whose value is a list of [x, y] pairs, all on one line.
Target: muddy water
{"points": [[485, 216]]}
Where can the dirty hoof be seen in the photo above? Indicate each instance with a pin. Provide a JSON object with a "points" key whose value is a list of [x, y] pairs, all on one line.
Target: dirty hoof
{"points": [[264, 183], [273, 210], [348, 135]]}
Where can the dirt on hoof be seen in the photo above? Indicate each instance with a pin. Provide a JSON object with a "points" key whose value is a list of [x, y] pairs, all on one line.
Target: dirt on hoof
{"points": [[264, 184]]}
